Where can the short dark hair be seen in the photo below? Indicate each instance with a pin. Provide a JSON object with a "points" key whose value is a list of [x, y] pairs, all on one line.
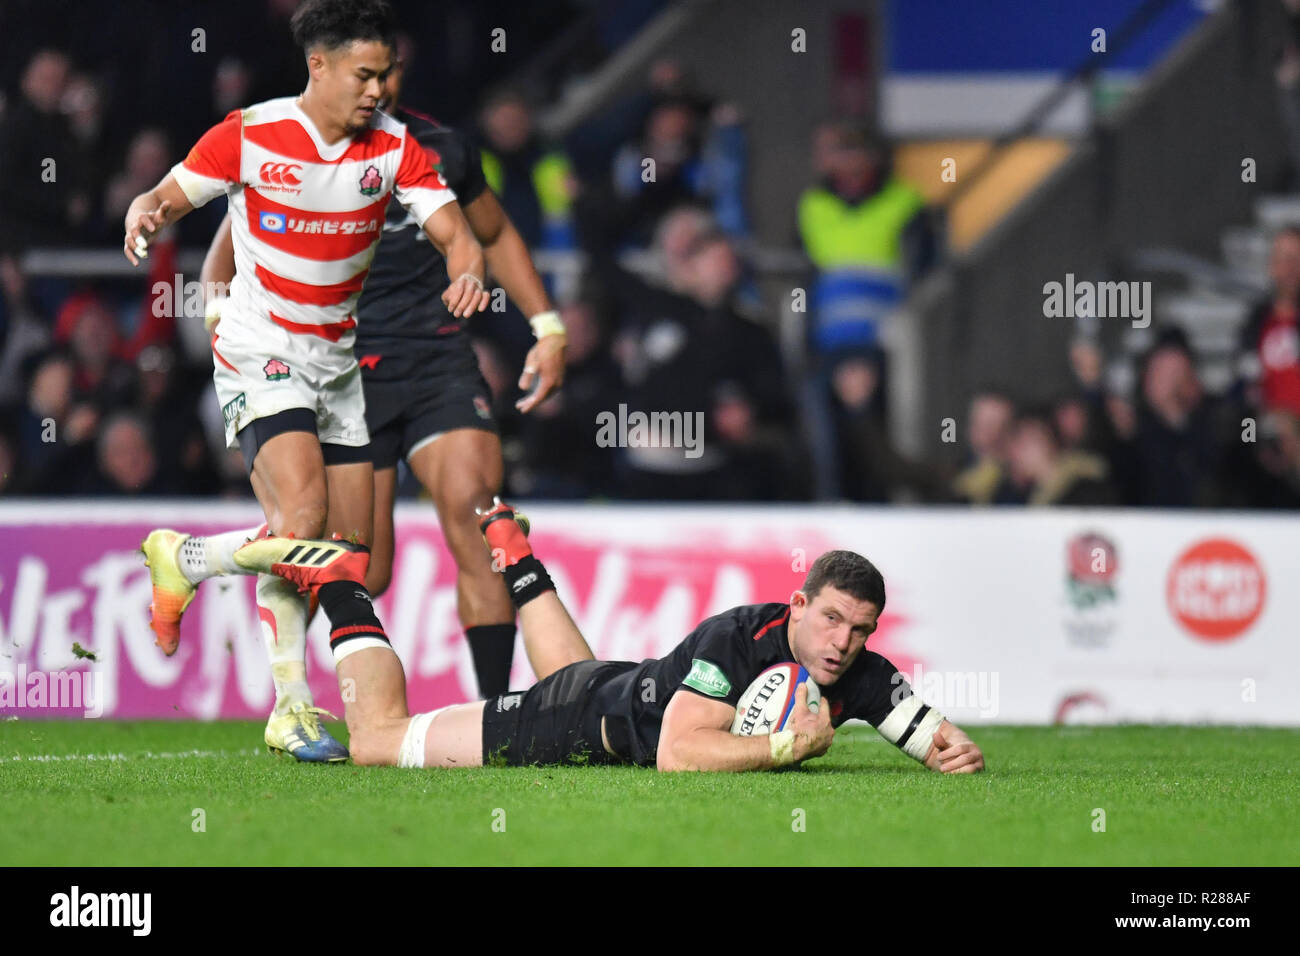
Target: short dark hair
{"points": [[848, 572], [1170, 338], [994, 392], [335, 23], [1043, 417]]}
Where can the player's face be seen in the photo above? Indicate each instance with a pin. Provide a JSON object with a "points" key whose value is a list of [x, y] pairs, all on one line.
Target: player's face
{"points": [[392, 88], [351, 82], [828, 633]]}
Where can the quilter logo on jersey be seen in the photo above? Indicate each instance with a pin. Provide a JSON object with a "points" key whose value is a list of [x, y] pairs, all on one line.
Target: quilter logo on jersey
{"points": [[281, 177]]}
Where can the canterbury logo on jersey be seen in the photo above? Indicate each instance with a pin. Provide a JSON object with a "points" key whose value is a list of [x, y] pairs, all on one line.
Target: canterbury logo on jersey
{"points": [[274, 222], [281, 174]]}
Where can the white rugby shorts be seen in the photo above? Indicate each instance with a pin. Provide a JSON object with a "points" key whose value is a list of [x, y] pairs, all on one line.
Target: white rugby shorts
{"points": [[260, 369]]}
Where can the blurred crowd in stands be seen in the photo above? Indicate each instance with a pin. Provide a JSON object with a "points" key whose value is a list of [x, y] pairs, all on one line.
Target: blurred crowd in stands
{"points": [[99, 394]]}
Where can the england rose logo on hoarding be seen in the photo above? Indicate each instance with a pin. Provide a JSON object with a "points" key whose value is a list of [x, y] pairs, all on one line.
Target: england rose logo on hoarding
{"points": [[1216, 589], [1091, 567]]}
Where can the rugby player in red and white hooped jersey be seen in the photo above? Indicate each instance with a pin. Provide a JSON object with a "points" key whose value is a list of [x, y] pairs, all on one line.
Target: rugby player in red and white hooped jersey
{"points": [[308, 180], [427, 403]]}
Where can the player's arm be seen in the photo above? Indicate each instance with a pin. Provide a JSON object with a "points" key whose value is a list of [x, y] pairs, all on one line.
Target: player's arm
{"points": [[696, 735], [205, 173], [451, 235], [149, 213], [421, 189], [953, 751], [217, 272], [883, 698], [920, 731], [507, 256]]}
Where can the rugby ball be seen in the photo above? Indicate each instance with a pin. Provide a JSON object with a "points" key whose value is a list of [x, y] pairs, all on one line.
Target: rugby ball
{"points": [[766, 705]]}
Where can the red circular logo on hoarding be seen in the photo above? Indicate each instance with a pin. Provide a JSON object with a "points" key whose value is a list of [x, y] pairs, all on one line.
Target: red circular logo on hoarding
{"points": [[1092, 558], [1216, 589]]}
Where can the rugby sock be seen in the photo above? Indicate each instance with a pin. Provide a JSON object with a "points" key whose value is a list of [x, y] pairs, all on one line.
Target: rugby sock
{"points": [[526, 579], [205, 556], [353, 625], [493, 648], [283, 612]]}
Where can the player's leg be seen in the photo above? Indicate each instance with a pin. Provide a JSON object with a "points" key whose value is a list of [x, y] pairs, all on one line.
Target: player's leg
{"points": [[282, 612], [292, 494], [386, 410], [290, 468], [462, 470], [447, 737], [551, 638], [294, 726], [381, 531], [290, 477], [371, 680], [350, 490]]}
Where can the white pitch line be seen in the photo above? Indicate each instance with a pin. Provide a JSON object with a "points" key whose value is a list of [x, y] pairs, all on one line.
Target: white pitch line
{"points": [[145, 755]]}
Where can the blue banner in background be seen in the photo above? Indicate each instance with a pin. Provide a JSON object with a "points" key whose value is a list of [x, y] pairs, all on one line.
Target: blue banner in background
{"points": [[1025, 36]]}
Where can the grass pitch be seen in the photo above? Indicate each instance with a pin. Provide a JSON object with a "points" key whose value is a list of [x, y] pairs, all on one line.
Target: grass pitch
{"points": [[104, 793]]}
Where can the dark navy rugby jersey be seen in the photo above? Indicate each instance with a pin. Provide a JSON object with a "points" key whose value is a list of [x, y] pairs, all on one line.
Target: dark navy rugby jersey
{"points": [[401, 314], [720, 659]]}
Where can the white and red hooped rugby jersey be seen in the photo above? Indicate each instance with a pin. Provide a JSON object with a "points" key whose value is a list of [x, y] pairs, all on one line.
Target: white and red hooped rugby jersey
{"points": [[306, 215]]}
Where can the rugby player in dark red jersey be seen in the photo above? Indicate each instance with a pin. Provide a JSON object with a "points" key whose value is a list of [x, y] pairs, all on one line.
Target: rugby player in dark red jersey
{"points": [[425, 400]]}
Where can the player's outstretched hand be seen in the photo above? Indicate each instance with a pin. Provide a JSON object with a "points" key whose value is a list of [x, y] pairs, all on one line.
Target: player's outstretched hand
{"points": [[465, 296], [962, 757], [141, 228], [813, 732], [543, 372]]}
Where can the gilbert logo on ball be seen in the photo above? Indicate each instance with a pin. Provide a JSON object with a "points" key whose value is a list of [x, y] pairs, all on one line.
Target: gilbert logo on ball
{"points": [[1216, 589], [766, 705]]}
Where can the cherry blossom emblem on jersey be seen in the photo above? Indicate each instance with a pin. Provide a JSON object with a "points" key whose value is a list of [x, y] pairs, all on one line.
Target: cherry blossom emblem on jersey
{"points": [[275, 370], [371, 182]]}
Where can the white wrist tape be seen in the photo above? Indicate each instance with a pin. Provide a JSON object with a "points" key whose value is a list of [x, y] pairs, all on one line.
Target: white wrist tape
{"points": [[910, 727], [547, 323], [212, 311], [782, 746], [411, 753], [472, 278]]}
